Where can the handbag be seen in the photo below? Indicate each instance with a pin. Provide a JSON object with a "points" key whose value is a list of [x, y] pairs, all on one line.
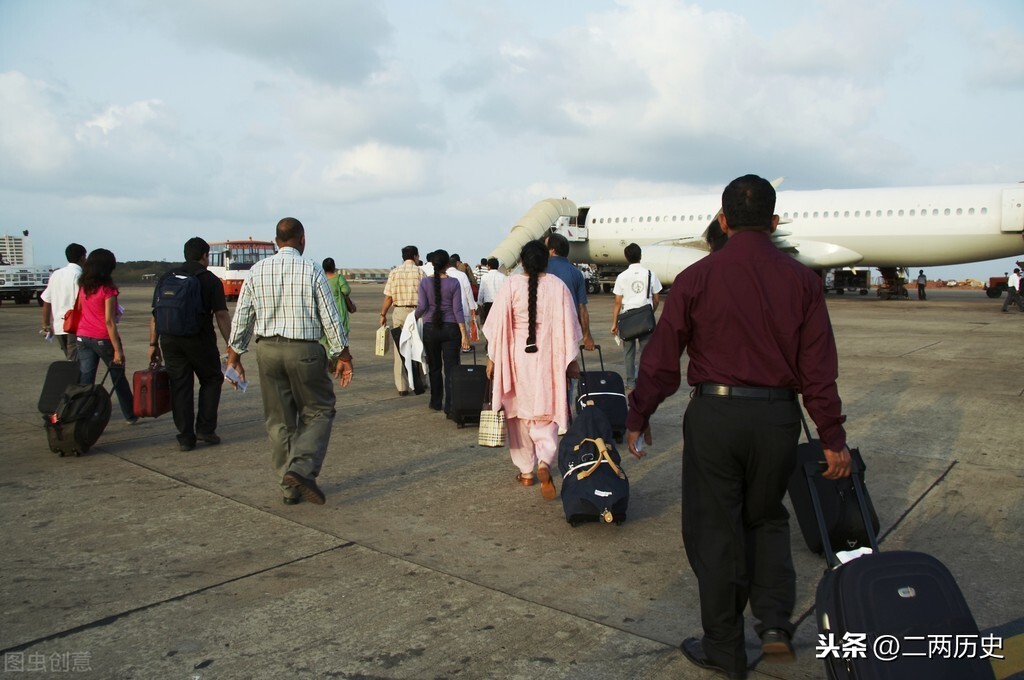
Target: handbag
{"points": [[349, 305], [73, 316], [380, 347], [636, 323], [493, 429]]}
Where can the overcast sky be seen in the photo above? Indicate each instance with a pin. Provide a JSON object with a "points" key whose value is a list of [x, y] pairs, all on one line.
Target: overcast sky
{"points": [[136, 124]]}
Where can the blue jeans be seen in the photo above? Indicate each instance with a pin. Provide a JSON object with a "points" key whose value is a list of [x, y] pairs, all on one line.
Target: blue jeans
{"points": [[90, 351]]}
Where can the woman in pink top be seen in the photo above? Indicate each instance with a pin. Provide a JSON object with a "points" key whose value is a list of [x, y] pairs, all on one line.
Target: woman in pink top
{"points": [[533, 334], [97, 330]]}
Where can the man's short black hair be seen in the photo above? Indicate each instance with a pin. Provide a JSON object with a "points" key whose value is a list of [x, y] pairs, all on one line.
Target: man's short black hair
{"points": [[195, 248], [410, 253], [632, 253], [749, 203], [483, 261], [492, 262], [289, 230], [454, 257], [558, 243], [74, 252]]}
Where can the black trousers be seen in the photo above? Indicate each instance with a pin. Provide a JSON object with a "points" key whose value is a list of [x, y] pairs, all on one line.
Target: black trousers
{"points": [[738, 455], [187, 358], [443, 347]]}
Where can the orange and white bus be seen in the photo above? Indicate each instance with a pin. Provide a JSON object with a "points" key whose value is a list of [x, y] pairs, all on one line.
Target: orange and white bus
{"points": [[232, 260]]}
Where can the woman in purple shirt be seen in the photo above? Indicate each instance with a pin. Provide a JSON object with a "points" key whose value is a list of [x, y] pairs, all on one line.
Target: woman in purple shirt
{"points": [[440, 308]]}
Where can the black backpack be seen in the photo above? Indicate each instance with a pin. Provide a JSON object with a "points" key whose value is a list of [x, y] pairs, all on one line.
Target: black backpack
{"points": [[594, 486], [179, 305]]}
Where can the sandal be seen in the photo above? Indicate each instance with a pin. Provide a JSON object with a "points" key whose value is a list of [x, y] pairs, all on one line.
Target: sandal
{"points": [[547, 485], [525, 480]]}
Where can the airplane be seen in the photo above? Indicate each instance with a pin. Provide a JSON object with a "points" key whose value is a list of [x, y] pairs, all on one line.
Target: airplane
{"points": [[887, 228]]}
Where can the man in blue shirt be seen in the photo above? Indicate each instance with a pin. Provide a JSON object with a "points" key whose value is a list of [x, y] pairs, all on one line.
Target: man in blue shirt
{"points": [[572, 277]]}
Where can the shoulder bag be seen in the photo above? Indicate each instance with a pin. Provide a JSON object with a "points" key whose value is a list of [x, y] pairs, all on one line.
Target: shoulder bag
{"points": [[492, 424], [639, 322], [73, 316]]}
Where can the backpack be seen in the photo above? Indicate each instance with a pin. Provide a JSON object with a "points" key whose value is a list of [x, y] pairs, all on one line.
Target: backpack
{"points": [[79, 419], [179, 305], [594, 486]]}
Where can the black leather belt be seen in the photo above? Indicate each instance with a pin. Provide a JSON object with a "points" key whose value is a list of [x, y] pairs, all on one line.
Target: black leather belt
{"points": [[279, 338], [744, 392]]}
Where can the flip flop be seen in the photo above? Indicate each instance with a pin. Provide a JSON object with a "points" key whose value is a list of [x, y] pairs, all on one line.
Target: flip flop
{"points": [[547, 485], [525, 480]]}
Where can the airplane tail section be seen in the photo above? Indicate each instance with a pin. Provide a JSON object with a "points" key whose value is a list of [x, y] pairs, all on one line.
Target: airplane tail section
{"points": [[533, 225]]}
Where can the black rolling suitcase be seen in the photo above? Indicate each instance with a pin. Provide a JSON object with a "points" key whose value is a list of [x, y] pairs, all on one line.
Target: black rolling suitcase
{"points": [[839, 504], [909, 598], [594, 486], [469, 391], [59, 376], [605, 390], [79, 419]]}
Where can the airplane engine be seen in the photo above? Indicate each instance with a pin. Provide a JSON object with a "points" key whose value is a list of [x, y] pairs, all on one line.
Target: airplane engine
{"points": [[666, 261]]}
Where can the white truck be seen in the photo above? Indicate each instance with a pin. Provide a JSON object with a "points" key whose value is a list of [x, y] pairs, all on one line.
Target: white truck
{"points": [[20, 279]]}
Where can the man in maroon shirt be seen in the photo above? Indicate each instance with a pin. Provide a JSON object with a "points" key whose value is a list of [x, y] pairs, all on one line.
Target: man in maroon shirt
{"points": [[756, 329]]}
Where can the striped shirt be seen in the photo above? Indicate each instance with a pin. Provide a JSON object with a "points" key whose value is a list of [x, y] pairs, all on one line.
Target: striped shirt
{"points": [[403, 284], [287, 296]]}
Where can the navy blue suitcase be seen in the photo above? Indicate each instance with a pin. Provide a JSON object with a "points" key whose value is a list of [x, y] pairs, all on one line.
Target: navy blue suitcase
{"points": [[605, 390], [909, 597]]}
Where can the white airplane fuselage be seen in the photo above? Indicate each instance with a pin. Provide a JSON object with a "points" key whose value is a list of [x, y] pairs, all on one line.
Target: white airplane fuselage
{"points": [[893, 227]]}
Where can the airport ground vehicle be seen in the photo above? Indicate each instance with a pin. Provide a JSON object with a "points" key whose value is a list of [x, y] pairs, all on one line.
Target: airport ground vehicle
{"points": [[996, 286], [232, 260], [842, 280], [20, 279]]}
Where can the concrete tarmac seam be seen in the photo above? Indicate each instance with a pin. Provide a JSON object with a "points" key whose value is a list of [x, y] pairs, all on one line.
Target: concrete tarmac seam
{"points": [[108, 620]]}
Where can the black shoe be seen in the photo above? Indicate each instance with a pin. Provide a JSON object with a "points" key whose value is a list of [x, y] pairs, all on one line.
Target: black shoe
{"points": [[186, 446], [435, 408], [292, 500], [693, 650], [777, 647], [306, 487], [403, 393], [212, 439], [419, 391]]}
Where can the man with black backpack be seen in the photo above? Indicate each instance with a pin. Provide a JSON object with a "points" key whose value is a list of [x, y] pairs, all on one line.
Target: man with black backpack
{"points": [[186, 302]]}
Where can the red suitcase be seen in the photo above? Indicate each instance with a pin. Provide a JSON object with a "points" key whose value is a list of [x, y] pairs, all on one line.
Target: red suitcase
{"points": [[151, 391]]}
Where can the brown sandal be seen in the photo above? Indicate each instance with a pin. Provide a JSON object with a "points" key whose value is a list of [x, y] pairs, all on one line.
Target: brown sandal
{"points": [[547, 485], [525, 480]]}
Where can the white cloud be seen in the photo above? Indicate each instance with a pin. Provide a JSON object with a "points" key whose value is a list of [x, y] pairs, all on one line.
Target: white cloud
{"points": [[31, 136], [364, 172]]}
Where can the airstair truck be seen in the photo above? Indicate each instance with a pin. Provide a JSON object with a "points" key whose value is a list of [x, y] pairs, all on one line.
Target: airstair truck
{"points": [[20, 279]]}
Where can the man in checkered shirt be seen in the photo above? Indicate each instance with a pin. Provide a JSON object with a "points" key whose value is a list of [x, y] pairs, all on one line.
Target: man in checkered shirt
{"points": [[401, 293], [287, 306]]}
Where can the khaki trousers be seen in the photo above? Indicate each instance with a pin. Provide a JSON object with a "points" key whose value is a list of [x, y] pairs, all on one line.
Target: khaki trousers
{"points": [[298, 404]]}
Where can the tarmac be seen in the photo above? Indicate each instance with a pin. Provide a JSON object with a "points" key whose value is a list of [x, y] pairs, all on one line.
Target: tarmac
{"points": [[428, 560]]}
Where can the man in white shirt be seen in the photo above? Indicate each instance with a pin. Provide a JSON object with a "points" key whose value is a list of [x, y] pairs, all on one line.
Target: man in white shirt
{"points": [[1013, 291], [59, 297], [634, 288], [490, 283]]}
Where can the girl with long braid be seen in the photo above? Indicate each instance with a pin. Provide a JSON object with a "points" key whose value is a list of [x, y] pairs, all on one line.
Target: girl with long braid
{"points": [[444, 324], [533, 336]]}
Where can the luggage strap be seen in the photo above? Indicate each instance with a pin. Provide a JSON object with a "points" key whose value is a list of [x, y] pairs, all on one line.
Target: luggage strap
{"points": [[602, 457]]}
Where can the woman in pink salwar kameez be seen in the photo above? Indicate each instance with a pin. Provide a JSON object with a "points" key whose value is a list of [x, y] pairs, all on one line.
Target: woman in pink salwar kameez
{"points": [[533, 336]]}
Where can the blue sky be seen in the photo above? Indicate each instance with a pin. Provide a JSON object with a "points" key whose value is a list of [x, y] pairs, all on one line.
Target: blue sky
{"points": [[136, 124]]}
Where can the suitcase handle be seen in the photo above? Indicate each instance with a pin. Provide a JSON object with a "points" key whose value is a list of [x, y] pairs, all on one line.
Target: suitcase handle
{"points": [[583, 361], [857, 480]]}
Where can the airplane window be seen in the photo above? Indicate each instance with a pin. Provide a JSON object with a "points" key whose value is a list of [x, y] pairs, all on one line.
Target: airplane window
{"points": [[946, 211], [888, 213], [878, 213], [935, 211], [959, 211], [856, 213], [846, 213], [835, 214], [971, 211], [984, 211], [825, 214], [912, 212]]}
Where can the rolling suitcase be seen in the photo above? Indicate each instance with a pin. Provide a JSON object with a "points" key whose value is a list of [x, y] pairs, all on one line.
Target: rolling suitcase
{"points": [[469, 391], [605, 390], [151, 392], [907, 597], [59, 376], [594, 486], [839, 504], [79, 419]]}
